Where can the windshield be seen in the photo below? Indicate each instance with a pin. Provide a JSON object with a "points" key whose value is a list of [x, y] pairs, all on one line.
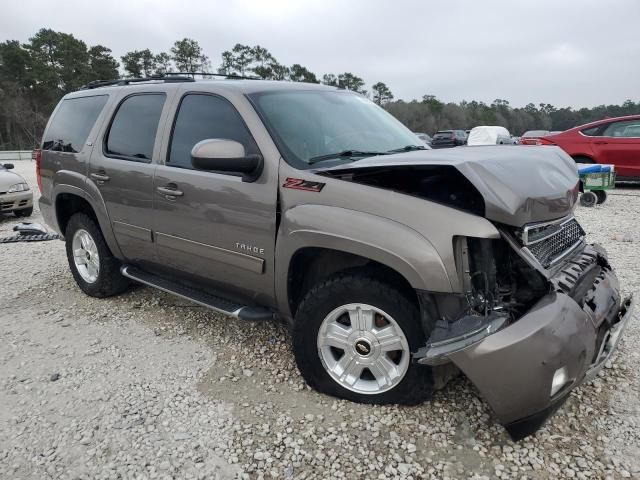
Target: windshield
{"points": [[309, 125]]}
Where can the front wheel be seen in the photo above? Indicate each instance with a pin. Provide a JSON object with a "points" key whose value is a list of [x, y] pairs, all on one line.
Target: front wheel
{"points": [[588, 199], [94, 268], [353, 339]]}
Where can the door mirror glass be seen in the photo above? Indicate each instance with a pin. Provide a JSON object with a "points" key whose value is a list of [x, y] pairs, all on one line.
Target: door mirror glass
{"points": [[226, 156]]}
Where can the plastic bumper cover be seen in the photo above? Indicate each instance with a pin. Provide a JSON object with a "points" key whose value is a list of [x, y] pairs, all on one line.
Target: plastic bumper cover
{"points": [[526, 370], [16, 201]]}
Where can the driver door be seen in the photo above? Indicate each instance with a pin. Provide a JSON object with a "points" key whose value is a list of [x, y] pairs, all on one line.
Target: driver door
{"points": [[211, 227]]}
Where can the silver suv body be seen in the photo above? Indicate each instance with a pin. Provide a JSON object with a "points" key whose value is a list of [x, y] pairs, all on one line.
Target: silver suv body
{"points": [[391, 263]]}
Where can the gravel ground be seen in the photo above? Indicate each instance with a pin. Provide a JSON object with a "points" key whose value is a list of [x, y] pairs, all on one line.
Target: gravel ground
{"points": [[147, 386]]}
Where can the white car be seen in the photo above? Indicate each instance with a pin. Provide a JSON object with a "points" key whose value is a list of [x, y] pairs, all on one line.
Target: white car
{"points": [[489, 135], [15, 194]]}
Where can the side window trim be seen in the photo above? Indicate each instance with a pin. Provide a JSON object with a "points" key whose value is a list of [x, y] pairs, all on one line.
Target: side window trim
{"points": [[107, 132], [174, 120]]}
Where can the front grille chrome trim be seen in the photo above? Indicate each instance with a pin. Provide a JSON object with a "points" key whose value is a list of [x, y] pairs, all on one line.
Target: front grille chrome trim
{"points": [[565, 237], [559, 223]]}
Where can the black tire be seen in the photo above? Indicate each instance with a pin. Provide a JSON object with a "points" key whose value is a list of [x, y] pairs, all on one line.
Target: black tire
{"points": [[588, 199], [25, 212], [417, 384], [109, 282], [602, 196], [581, 159]]}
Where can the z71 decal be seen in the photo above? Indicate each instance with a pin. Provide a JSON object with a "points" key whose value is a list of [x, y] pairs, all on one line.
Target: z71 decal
{"points": [[300, 184]]}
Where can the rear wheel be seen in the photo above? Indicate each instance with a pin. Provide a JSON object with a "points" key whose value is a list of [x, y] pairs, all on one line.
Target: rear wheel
{"points": [[94, 268], [602, 195], [353, 339], [582, 159]]}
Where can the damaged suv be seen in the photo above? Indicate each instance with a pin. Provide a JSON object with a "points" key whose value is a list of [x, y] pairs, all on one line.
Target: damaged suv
{"points": [[393, 265]]}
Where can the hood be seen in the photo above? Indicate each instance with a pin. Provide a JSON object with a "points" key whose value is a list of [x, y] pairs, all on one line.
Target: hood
{"points": [[518, 184], [8, 178]]}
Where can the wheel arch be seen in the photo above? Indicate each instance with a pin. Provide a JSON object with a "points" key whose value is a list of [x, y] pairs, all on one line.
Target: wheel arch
{"points": [[311, 265], [324, 240], [69, 200]]}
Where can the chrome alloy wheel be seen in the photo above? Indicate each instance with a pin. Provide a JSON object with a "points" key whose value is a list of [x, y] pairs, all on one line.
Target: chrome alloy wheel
{"points": [[363, 349], [85, 256]]}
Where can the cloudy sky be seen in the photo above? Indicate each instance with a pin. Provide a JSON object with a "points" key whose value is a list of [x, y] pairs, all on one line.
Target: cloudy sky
{"points": [[567, 53]]}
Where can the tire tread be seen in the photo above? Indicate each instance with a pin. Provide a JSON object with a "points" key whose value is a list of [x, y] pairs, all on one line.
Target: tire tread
{"points": [[415, 388]]}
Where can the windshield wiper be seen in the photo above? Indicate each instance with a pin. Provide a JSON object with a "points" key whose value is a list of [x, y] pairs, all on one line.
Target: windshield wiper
{"points": [[343, 154], [408, 148]]}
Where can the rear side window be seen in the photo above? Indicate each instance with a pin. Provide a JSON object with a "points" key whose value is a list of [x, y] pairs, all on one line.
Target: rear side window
{"points": [[134, 127], [200, 117], [72, 123], [444, 133], [591, 132]]}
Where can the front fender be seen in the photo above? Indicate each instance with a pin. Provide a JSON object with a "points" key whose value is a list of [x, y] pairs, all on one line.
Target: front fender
{"points": [[385, 241]]}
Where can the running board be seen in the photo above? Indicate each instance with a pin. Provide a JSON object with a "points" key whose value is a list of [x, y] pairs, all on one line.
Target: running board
{"points": [[219, 304]]}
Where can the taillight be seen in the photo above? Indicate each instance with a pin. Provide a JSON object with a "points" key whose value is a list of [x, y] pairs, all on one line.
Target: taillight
{"points": [[37, 156], [544, 141]]}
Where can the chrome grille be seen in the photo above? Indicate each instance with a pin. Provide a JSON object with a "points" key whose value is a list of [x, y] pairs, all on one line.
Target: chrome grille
{"points": [[567, 233]]}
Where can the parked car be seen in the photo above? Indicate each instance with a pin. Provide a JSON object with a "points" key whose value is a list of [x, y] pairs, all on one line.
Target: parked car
{"points": [[391, 263], [15, 194], [489, 135], [448, 138], [532, 137], [426, 139], [612, 141]]}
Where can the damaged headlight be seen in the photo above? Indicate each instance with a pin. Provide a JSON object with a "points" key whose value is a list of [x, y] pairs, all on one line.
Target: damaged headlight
{"points": [[18, 187], [450, 337]]}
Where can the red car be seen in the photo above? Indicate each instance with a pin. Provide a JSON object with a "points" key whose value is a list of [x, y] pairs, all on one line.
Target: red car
{"points": [[532, 137], [614, 141]]}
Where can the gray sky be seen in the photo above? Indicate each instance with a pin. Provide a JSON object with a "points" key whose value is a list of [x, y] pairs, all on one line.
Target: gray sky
{"points": [[567, 53]]}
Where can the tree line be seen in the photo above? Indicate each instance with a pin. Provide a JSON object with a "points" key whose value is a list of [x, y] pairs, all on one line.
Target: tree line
{"points": [[34, 75]]}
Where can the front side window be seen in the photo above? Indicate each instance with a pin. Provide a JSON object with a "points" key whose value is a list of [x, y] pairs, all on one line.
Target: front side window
{"points": [[134, 127], [309, 125], [627, 128], [592, 131], [72, 123], [201, 117]]}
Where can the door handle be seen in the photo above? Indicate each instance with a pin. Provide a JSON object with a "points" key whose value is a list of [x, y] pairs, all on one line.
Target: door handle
{"points": [[600, 142], [100, 177], [170, 192]]}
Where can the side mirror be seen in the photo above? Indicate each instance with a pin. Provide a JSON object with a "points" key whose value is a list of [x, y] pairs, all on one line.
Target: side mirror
{"points": [[226, 156], [8, 166]]}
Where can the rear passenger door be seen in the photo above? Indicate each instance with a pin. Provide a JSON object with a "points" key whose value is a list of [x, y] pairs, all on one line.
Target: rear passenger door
{"points": [[619, 145], [216, 230], [122, 171]]}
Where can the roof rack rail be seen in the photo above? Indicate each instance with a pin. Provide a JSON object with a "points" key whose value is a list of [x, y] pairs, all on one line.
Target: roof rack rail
{"points": [[168, 77], [208, 74], [126, 81]]}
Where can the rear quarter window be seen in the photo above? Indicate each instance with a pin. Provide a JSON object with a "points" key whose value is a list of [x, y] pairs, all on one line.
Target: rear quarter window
{"points": [[72, 123], [591, 132]]}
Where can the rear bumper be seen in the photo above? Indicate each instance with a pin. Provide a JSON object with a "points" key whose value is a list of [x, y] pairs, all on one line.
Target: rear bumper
{"points": [[10, 202], [527, 369]]}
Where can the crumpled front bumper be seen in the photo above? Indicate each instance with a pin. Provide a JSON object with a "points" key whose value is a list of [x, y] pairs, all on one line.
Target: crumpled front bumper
{"points": [[554, 347]]}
